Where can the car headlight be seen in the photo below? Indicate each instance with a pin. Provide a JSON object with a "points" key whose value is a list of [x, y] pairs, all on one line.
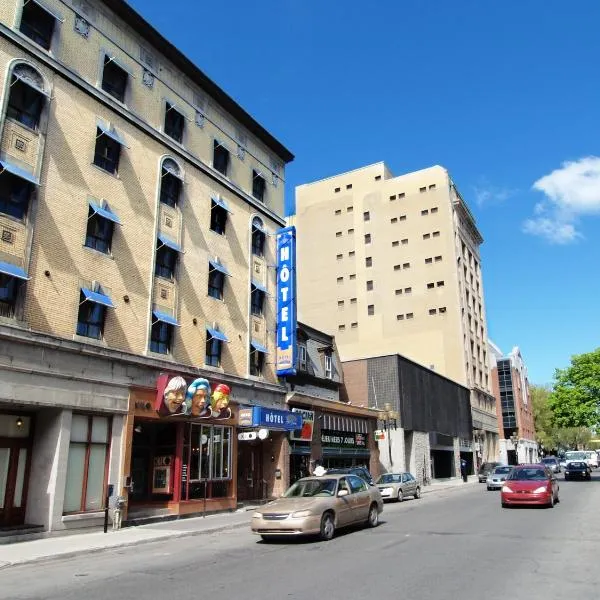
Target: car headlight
{"points": [[257, 515], [540, 490], [505, 488], [299, 514]]}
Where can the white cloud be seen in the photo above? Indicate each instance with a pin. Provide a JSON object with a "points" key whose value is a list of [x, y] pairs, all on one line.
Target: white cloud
{"points": [[571, 192], [486, 194]]}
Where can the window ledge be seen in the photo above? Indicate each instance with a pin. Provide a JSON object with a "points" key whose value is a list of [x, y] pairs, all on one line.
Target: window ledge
{"points": [[87, 340], [108, 255], [26, 127], [222, 300], [115, 175], [212, 368], [158, 355], [86, 516]]}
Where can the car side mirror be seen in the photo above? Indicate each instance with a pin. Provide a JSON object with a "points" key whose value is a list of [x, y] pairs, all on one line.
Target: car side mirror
{"points": [[343, 493]]}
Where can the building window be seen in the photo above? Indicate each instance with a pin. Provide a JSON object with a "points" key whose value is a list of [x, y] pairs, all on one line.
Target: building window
{"points": [[406, 265], [257, 300], [401, 195], [393, 220], [25, 102], [426, 236], [99, 232], [432, 311], [397, 267], [442, 309], [341, 328], [438, 258], [37, 24], [434, 210], [436, 234], [338, 211], [213, 351], [114, 79], [440, 284], [354, 325], [367, 238], [405, 241], [432, 186], [174, 123], [428, 261], [161, 337], [408, 290], [14, 195], [350, 231], [107, 152], [218, 217], [352, 300], [328, 366], [352, 277], [166, 259], [368, 261], [371, 309], [220, 157], [422, 189], [403, 217], [216, 283], [430, 286], [170, 183], [349, 186], [336, 190], [350, 209], [424, 212], [89, 449], [369, 286], [90, 317], [398, 292], [340, 304], [366, 216], [258, 237], [351, 254], [377, 177], [338, 234], [339, 256], [394, 244], [409, 315], [393, 197], [400, 317], [302, 357], [340, 280], [9, 288], [258, 186], [257, 361]]}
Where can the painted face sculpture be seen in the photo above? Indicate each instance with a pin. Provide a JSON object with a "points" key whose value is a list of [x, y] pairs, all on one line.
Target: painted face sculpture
{"points": [[174, 395], [197, 398], [220, 401]]}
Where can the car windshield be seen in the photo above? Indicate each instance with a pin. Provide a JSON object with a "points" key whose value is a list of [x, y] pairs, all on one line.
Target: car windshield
{"points": [[528, 474], [575, 456], [390, 478], [549, 461], [502, 470], [308, 488]]}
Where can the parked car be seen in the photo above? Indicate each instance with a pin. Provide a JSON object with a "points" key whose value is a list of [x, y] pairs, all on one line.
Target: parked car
{"points": [[591, 458], [485, 469], [397, 486], [360, 471], [530, 484], [497, 477], [578, 470], [552, 463], [319, 505]]}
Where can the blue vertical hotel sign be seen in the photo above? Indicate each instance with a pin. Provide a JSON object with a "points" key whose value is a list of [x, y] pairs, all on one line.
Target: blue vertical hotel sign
{"points": [[286, 302]]}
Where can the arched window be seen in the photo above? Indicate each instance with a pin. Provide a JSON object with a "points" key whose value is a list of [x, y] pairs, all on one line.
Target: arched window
{"points": [[258, 237], [27, 96], [171, 180]]}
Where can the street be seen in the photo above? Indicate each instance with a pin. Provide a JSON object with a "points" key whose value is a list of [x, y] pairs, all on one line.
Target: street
{"points": [[455, 543]]}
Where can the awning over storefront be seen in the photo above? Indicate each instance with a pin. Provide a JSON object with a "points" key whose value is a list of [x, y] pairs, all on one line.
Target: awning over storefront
{"points": [[343, 423]]}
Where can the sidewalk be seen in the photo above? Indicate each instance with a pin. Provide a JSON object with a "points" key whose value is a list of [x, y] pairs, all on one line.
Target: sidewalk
{"points": [[65, 546]]}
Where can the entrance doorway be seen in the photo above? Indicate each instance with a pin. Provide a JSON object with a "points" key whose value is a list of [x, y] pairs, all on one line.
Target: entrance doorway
{"points": [[15, 456], [250, 484]]}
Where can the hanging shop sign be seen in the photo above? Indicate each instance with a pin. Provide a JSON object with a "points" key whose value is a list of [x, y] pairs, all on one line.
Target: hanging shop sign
{"points": [[343, 439], [174, 396], [269, 418], [305, 432], [285, 360], [379, 434]]}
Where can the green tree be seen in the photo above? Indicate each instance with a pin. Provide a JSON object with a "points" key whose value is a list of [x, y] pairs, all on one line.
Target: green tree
{"points": [[542, 415], [575, 399]]}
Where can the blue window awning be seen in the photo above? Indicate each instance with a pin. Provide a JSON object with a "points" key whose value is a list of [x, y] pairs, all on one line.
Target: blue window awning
{"points": [[259, 287], [97, 297], [217, 335], [105, 213], [219, 267], [258, 347], [13, 271], [219, 202], [165, 241], [111, 132], [165, 318], [14, 170]]}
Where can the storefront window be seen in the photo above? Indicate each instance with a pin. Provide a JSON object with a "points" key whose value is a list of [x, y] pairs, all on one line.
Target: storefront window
{"points": [[86, 466]]}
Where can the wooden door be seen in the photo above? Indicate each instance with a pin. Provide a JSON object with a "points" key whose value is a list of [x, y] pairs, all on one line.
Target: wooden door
{"points": [[14, 475]]}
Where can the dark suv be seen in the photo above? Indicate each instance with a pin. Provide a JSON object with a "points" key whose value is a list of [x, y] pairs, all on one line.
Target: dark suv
{"points": [[485, 469], [362, 472]]}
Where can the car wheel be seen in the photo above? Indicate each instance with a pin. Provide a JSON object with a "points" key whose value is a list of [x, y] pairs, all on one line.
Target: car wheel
{"points": [[489, 489], [266, 538], [504, 505], [417, 493], [327, 530], [373, 519], [400, 496]]}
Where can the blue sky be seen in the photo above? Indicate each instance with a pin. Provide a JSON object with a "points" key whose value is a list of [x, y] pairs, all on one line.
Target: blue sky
{"points": [[505, 95]]}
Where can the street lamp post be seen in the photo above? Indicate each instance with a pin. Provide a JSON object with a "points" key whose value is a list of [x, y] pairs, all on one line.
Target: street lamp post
{"points": [[514, 438], [389, 417]]}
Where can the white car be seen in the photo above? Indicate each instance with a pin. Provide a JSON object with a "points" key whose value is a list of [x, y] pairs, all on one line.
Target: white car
{"points": [[592, 458]]}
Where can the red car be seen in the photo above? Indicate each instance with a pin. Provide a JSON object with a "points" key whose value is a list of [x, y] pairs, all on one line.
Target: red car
{"points": [[530, 484]]}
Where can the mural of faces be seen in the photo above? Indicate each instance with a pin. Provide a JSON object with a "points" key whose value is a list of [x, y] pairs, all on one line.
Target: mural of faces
{"points": [[174, 395], [220, 401], [197, 398]]}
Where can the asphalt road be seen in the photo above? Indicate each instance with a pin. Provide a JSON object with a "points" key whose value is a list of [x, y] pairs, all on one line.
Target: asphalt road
{"points": [[454, 544]]}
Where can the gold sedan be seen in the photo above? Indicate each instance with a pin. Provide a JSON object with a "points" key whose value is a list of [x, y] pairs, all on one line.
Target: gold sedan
{"points": [[318, 506]]}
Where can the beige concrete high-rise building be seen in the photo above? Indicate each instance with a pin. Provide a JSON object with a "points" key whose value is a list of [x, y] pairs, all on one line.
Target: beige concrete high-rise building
{"points": [[392, 265]]}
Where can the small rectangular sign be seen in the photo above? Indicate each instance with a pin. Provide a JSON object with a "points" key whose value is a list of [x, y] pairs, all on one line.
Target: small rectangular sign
{"points": [[285, 360], [304, 433], [269, 418]]}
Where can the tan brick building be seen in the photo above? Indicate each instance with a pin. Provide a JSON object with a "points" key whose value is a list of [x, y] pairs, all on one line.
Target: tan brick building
{"points": [[391, 265], [138, 203]]}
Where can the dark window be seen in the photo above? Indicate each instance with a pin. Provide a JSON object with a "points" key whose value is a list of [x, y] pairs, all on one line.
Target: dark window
{"points": [[218, 218], [99, 232], [220, 158], [257, 361], [37, 24], [9, 286], [216, 282], [106, 155], [25, 103], [174, 123], [369, 285], [258, 242], [170, 189], [258, 186], [90, 320], [213, 352], [257, 299], [14, 195], [161, 337], [114, 79], [166, 259]]}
